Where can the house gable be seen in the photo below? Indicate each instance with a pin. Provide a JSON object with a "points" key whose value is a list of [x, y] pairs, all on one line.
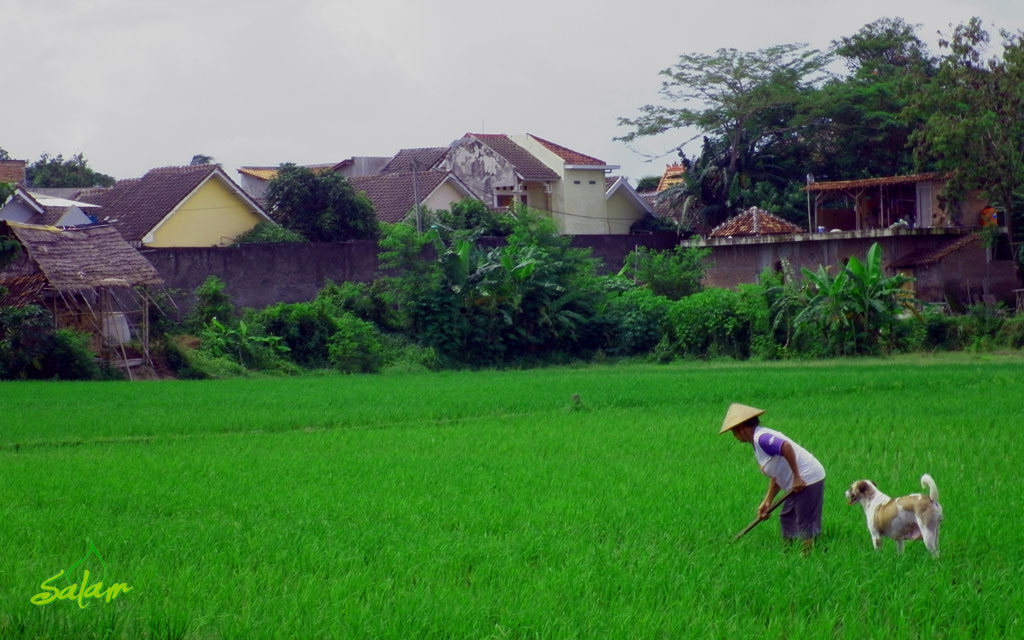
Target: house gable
{"points": [[213, 214], [624, 206], [138, 208]]}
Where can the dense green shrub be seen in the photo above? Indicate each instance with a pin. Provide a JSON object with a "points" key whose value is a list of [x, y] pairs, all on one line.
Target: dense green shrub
{"points": [[305, 328], [365, 301], [709, 324], [402, 354], [355, 346], [242, 344], [673, 274], [268, 232], [1011, 333], [212, 301], [30, 348], [70, 357], [638, 321]]}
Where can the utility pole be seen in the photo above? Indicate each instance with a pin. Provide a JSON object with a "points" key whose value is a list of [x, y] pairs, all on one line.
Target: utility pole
{"points": [[416, 199]]}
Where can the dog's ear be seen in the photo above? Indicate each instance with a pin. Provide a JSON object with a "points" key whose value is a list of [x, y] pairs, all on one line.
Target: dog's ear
{"points": [[863, 486]]}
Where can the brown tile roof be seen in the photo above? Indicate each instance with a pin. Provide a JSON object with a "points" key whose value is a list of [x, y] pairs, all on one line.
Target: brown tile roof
{"points": [[568, 155], [12, 171], [754, 222], [925, 257], [82, 259], [875, 182], [392, 193], [524, 162], [137, 206], [426, 158]]}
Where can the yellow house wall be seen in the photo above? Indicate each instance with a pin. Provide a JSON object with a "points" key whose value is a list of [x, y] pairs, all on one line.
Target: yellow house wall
{"points": [[622, 213], [213, 216], [578, 209], [443, 197], [584, 203]]}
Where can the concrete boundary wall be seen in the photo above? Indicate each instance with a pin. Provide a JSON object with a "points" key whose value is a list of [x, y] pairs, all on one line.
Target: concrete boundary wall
{"points": [[259, 275]]}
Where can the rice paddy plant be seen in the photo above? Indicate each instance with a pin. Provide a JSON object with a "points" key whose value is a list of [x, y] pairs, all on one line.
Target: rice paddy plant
{"points": [[492, 505]]}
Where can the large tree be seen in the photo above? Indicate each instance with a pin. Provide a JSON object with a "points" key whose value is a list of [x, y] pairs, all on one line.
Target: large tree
{"points": [[863, 122], [740, 97], [55, 171], [322, 206], [974, 118], [751, 109]]}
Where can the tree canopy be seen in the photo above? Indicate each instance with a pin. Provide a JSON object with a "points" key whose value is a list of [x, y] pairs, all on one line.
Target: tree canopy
{"points": [[55, 171], [770, 118], [974, 118], [322, 206]]}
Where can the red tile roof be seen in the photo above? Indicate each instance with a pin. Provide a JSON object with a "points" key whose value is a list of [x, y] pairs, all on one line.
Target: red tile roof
{"points": [[392, 193], [426, 158], [568, 155], [754, 222], [524, 162], [136, 206]]}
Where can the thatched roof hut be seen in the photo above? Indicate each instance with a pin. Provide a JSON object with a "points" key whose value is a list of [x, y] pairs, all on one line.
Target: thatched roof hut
{"points": [[89, 277]]}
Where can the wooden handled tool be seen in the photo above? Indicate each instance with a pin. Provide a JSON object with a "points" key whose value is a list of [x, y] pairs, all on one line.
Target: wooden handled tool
{"points": [[757, 521]]}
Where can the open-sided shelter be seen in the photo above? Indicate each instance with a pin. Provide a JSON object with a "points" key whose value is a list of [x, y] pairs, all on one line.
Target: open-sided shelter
{"points": [[90, 279]]}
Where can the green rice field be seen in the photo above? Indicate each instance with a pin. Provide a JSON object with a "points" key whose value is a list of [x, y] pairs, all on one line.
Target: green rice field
{"points": [[491, 505]]}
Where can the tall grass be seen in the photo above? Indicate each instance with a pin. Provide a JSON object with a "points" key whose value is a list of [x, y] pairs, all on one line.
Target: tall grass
{"points": [[490, 505]]}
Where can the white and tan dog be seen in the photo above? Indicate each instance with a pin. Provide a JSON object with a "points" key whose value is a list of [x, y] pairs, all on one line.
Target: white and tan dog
{"points": [[906, 518]]}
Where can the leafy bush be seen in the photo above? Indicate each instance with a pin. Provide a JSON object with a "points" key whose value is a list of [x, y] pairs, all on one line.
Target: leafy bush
{"points": [[673, 274], [70, 357], [239, 343], [403, 355], [31, 349], [468, 214], [365, 301], [355, 347], [305, 328], [638, 320], [268, 232], [1011, 333], [212, 301], [709, 324]]}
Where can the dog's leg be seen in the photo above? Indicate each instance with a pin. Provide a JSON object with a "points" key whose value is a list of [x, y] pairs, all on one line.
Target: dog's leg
{"points": [[877, 541], [930, 535], [899, 547]]}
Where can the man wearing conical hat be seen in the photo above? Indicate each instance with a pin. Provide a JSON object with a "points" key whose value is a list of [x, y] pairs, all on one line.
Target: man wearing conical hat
{"points": [[789, 467]]}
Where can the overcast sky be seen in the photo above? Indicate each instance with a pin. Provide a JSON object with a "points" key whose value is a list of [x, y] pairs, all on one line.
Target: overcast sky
{"points": [[137, 84]]}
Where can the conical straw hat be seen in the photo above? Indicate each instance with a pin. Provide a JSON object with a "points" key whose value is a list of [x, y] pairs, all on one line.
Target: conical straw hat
{"points": [[737, 415]]}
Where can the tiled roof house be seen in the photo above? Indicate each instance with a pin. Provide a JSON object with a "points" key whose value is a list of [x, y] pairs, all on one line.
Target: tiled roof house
{"points": [[191, 206], [394, 194]]}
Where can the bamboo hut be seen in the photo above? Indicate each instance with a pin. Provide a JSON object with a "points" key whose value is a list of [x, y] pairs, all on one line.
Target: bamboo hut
{"points": [[90, 280]]}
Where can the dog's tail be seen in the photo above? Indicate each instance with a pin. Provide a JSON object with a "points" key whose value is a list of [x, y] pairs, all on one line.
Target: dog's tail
{"points": [[933, 491]]}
